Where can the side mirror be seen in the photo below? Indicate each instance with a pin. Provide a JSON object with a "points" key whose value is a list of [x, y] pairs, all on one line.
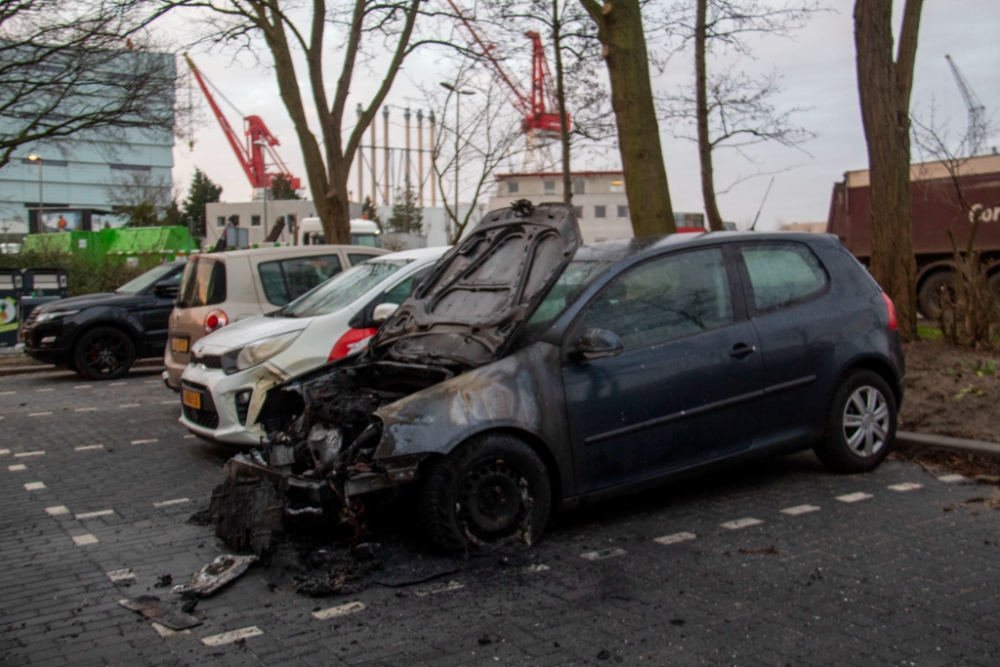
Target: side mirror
{"points": [[596, 344], [383, 311], [167, 289]]}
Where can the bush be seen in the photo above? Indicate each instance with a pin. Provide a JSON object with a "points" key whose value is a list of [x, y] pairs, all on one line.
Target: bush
{"points": [[84, 276]]}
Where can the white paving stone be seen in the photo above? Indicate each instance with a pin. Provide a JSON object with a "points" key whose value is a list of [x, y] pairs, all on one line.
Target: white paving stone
{"points": [[58, 510], [94, 515], [84, 540], [175, 501], [855, 497], [34, 486], [145, 442], [231, 636], [17, 467], [124, 574], [603, 553], [741, 523], [906, 486], [339, 610], [675, 538], [799, 509], [951, 479], [87, 448], [4, 452], [21, 455], [434, 589]]}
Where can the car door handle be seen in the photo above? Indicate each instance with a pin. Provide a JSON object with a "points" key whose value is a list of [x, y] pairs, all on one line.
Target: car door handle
{"points": [[741, 350]]}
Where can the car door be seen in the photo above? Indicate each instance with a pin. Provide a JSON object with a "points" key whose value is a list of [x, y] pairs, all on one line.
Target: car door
{"points": [[685, 388], [798, 325]]}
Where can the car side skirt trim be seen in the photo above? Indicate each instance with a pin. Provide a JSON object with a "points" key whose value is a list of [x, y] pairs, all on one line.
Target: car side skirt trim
{"points": [[700, 410]]}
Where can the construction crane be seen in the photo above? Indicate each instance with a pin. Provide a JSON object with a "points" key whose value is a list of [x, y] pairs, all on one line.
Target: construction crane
{"points": [[976, 136], [258, 142], [539, 110]]}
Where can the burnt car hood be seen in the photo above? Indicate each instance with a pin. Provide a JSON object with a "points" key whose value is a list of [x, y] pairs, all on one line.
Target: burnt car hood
{"points": [[468, 308]]}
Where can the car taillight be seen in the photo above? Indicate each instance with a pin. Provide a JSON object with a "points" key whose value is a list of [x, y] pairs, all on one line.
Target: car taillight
{"points": [[351, 341], [893, 322], [215, 320]]}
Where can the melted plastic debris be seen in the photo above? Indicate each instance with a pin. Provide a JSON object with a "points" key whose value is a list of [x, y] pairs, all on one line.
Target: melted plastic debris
{"points": [[215, 575], [152, 608]]}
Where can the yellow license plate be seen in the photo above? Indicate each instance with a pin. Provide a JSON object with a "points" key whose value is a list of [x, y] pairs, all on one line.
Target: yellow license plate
{"points": [[179, 344], [192, 399]]}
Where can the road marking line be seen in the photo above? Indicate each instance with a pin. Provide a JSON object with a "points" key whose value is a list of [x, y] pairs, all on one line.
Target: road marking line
{"points": [[174, 402], [537, 567], [340, 610], [7, 393], [603, 553], [84, 540], [144, 442], [34, 486], [188, 437], [854, 497], [85, 410], [17, 468], [165, 632], [39, 414], [906, 486], [83, 386], [39, 452], [94, 515], [58, 510], [176, 501], [87, 448], [741, 523], [50, 389], [120, 575], [434, 589], [129, 405], [231, 636], [675, 538], [799, 509], [118, 384], [948, 479], [4, 451]]}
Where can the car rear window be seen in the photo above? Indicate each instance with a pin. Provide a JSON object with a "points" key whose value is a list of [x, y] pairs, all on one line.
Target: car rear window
{"points": [[343, 290], [287, 279], [782, 274], [204, 283]]}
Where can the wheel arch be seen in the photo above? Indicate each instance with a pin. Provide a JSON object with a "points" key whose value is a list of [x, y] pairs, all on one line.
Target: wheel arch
{"points": [[879, 366], [113, 324], [944, 265]]}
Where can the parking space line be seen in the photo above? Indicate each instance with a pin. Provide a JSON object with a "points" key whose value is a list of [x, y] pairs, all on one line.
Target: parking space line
{"points": [[34, 486], [7, 393], [39, 414], [434, 589], [168, 503], [94, 515], [38, 452], [58, 510], [129, 405], [84, 540], [741, 523], [17, 468], [906, 486], [173, 402], [603, 553], [83, 386], [49, 389], [855, 497], [675, 538], [948, 479], [120, 575], [4, 451], [799, 509], [340, 610], [85, 410], [118, 384], [87, 448], [231, 636], [144, 442]]}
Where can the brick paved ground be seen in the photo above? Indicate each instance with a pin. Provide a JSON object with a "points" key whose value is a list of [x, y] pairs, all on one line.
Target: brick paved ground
{"points": [[890, 579]]}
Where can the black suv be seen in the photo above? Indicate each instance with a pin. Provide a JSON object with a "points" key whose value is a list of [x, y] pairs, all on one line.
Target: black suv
{"points": [[101, 335]]}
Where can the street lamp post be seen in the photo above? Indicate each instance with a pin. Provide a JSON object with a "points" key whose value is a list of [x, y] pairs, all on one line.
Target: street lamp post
{"points": [[41, 206], [263, 144], [458, 106]]}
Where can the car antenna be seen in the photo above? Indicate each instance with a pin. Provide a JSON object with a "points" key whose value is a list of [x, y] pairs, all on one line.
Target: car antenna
{"points": [[766, 192]]}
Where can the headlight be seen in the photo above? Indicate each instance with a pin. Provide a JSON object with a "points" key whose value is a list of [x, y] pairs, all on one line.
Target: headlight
{"points": [[54, 315], [256, 353]]}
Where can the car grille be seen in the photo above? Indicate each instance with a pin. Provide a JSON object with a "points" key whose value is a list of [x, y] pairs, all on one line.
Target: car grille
{"points": [[241, 412], [208, 360], [207, 417]]}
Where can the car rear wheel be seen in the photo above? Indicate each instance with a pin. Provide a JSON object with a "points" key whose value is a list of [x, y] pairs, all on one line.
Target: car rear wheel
{"points": [[489, 491], [861, 424], [104, 353]]}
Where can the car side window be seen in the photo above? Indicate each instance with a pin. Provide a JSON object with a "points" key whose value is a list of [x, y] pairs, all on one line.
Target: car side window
{"points": [[398, 293], [358, 257], [288, 279], [665, 299], [782, 274]]}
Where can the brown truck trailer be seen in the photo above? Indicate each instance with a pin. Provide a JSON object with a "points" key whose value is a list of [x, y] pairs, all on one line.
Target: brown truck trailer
{"points": [[939, 202]]}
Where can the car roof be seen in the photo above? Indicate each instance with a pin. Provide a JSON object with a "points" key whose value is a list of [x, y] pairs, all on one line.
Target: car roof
{"points": [[619, 249], [418, 253]]}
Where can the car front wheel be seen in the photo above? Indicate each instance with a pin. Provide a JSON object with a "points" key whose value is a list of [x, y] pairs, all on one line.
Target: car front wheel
{"points": [[489, 491], [104, 353], [861, 424]]}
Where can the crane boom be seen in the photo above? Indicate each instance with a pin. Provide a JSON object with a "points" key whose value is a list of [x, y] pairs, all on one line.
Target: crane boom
{"points": [[976, 136]]}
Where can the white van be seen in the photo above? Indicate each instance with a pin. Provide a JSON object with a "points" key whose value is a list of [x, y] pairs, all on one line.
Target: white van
{"points": [[363, 232]]}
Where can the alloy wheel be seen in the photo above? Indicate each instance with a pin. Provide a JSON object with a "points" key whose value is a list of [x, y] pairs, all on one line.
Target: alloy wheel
{"points": [[866, 421]]}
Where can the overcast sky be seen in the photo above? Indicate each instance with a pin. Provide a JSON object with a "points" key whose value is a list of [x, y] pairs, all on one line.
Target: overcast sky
{"points": [[816, 64]]}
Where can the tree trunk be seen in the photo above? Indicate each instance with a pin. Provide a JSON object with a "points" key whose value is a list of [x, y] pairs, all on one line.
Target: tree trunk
{"points": [[620, 31], [884, 89], [704, 142], [567, 178]]}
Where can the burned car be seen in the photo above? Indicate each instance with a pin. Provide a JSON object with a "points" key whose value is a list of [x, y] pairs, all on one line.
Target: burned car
{"points": [[527, 372]]}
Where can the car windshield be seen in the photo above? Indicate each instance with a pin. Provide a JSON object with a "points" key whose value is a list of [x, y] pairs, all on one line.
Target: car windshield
{"points": [[140, 284], [342, 290], [575, 278]]}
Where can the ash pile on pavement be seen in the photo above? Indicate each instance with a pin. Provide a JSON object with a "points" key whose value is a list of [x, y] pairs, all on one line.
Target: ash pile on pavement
{"points": [[981, 468]]}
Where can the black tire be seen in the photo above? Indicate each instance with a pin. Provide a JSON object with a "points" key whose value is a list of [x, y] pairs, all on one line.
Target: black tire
{"points": [[929, 295], [104, 353], [862, 407], [489, 491], [993, 282]]}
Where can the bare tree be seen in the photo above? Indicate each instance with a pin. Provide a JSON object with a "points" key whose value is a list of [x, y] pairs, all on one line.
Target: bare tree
{"points": [[620, 30], [70, 68], [884, 86], [730, 109], [143, 199]]}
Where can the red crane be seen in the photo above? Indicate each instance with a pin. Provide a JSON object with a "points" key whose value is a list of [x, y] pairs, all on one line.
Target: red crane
{"points": [[537, 120], [258, 141]]}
